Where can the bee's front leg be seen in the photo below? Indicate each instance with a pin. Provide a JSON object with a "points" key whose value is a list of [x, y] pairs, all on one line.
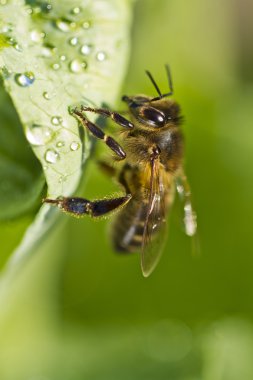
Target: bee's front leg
{"points": [[79, 207], [190, 217], [99, 134]]}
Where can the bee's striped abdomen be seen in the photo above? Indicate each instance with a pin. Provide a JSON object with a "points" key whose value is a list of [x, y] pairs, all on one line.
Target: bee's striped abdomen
{"points": [[128, 226]]}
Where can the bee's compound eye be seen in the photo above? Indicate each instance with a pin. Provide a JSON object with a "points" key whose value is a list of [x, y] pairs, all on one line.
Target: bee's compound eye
{"points": [[154, 116]]}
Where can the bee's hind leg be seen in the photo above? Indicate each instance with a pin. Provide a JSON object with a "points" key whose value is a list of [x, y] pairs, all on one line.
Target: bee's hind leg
{"points": [[79, 207]]}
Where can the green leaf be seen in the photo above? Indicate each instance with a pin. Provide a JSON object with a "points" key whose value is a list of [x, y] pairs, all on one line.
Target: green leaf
{"points": [[56, 59], [52, 58], [21, 175]]}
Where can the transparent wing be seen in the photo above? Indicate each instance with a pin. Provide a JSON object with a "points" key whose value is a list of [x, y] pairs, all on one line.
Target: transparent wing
{"points": [[154, 235]]}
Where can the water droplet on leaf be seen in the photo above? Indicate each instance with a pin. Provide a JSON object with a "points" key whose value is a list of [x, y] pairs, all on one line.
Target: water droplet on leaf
{"points": [[75, 11], [60, 144], [86, 49], [46, 7], [39, 135], [56, 120], [86, 25], [17, 47], [73, 41], [51, 156], [56, 66], [65, 25], [46, 95], [25, 79], [7, 28], [37, 35], [101, 56], [48, 50], [77, 66], [74, 145]]}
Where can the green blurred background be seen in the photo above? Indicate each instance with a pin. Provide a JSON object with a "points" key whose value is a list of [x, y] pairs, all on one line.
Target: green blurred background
{"points": [[80, 311]]}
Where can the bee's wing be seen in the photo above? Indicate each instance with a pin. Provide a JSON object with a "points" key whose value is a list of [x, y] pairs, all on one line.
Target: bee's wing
{"points": [[154, 234]]}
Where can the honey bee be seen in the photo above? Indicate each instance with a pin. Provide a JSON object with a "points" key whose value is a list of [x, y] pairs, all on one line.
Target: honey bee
{"points": [[151, 151]]}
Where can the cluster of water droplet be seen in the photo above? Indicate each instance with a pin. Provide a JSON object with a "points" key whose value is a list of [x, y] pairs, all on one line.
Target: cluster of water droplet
{"points": [[41, 135], [74, 28], [57, 60], [6, 37], [72, 55], [39, 7]]}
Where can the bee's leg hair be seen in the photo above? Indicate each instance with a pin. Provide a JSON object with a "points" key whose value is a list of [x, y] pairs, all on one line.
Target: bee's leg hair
{"points": [[79, 207]]}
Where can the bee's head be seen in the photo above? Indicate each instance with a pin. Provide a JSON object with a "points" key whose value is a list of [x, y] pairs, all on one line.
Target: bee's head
{"points": [[154, 112]]}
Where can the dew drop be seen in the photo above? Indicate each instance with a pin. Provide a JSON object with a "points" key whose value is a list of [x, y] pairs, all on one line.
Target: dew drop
{"points": [[39, 135], [7, 28], [74, 145], [17, 47], [37, 35], [65, 25], [86, 25], [60, 144], [75, 11], [51, 156], [56, 66], [46, 7], [45, 167], [86, 49], [46, 95], [63, 58], [73, 41], [77, 66], [56, 120], [62, 25], [48, 50], [101, 56], [25, 79], [11, 41]]}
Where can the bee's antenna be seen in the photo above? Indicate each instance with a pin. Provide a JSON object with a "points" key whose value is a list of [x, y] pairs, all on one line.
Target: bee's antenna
{"points": [[154, 83], [167, 67]]}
